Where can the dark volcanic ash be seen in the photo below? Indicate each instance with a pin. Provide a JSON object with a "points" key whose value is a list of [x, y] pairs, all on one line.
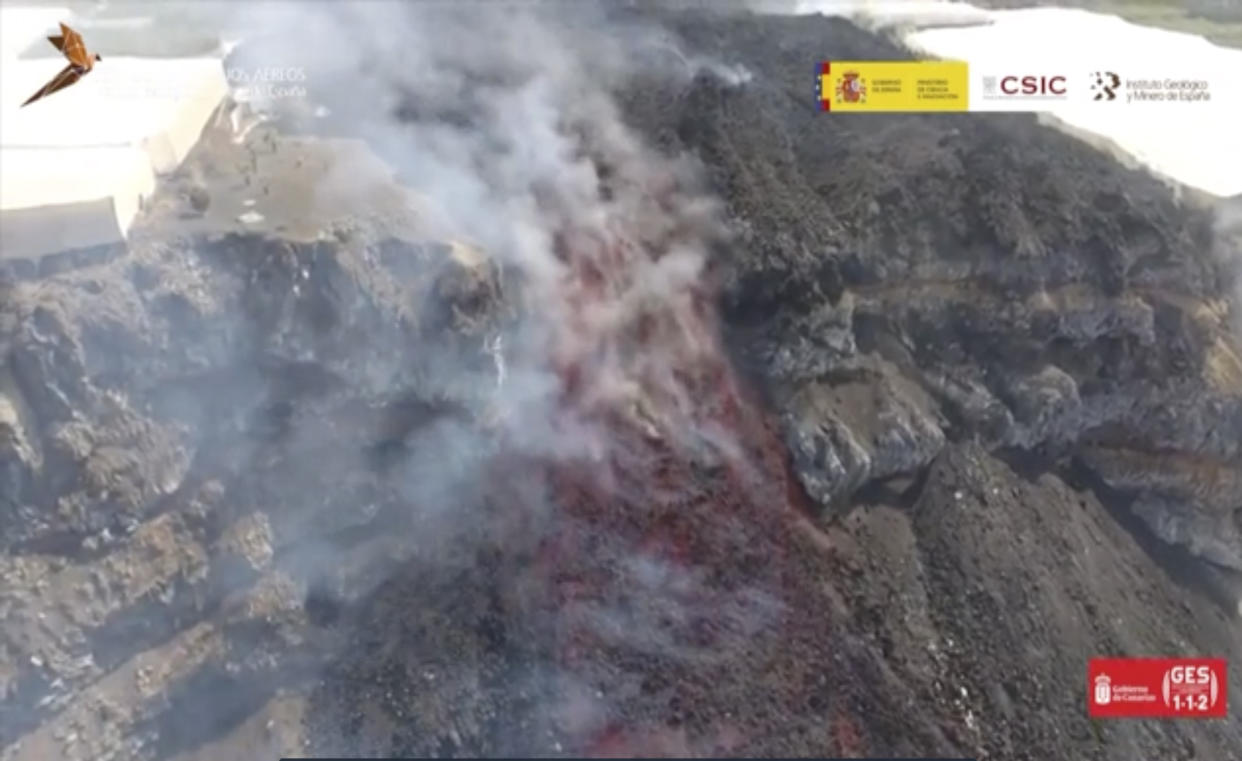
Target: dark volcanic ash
{"points": [[639, 503]]}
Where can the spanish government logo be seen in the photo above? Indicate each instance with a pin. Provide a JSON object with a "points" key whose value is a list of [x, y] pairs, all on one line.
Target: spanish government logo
{"points": [[852, 88]]}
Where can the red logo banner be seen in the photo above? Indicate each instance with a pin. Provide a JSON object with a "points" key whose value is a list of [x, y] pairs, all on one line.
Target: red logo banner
{"points": [[1157, 688]]}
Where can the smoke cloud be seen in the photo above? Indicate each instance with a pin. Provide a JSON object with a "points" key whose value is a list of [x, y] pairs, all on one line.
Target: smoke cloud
{"points": [[500, 117]]}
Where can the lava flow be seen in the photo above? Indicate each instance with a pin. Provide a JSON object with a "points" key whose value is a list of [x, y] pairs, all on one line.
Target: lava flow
{"points": [[678, 576]]}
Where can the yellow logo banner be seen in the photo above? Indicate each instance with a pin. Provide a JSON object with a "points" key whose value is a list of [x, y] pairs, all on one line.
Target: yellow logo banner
{"points": [[893, 86]]}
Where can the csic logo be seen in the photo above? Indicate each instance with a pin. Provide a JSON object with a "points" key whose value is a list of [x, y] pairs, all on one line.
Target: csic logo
{"points": [[1025, 87], [1033, 85], [1105, 84]]}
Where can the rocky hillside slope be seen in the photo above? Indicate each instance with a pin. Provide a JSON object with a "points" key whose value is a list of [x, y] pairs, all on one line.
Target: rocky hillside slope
{"points": [[918, 293], [954, 409], [984, 280]]}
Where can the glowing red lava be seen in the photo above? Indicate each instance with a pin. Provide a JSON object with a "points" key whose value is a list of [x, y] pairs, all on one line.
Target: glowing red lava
{"points": [[680, 570]]}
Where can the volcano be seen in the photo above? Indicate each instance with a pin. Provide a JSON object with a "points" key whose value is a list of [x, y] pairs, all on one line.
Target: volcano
{"points": [[664, 416]]}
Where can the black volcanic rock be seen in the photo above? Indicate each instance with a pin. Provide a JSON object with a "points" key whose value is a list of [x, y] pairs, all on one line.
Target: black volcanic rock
{"points": [[980, 419], [1003, 282]]}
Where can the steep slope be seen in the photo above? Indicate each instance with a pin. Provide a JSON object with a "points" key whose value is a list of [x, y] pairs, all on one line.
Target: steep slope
{"points": [[976, 277], [316, 483], [981, 316]]}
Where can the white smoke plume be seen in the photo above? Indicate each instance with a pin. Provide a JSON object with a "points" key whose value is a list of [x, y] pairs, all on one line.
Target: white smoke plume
{"points": [[501, 116]]}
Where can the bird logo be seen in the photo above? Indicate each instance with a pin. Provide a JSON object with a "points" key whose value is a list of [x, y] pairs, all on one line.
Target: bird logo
{"points": [[69, 43]]}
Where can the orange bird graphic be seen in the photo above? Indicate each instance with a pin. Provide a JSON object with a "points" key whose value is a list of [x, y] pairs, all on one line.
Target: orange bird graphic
{"points": [[81, 62]]}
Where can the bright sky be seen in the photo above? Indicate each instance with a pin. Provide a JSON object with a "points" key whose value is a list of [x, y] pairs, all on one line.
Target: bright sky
{"points": [[1195, 143], [24, 25]]}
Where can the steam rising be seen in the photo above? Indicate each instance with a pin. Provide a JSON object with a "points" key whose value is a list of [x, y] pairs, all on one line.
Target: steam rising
{"points": [[505, 123], [501, 118]]}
